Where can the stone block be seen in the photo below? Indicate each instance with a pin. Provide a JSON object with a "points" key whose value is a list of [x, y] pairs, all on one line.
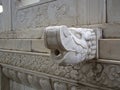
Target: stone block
{"points": [[109, 30], [38, 46], [113, 11], [109, 49], [90, 12], [34, 45], [35, 33], [15, 44]]}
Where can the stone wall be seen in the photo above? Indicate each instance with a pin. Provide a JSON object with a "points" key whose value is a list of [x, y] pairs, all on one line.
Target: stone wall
{"points": [[59, 12], [19, 15], [113, 11], [52, 12], [24, 57]]}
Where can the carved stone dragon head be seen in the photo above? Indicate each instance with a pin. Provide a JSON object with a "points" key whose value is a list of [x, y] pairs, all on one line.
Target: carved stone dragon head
{"points": [[70, 45]]}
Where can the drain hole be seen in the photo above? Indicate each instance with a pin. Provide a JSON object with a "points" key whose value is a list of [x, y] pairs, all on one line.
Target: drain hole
{"points": [[57, 52]]}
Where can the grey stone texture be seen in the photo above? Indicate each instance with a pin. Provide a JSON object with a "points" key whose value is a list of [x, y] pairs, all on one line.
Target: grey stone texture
{"points": [[58, 12], [113, 11], [5, 16], [110, 30], [23, 53], [88, 75], [109, 49], [31, 45], [35, 33], [4, 81]]}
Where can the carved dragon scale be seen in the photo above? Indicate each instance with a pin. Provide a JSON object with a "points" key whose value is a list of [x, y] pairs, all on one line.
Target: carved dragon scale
{"points": [[71, 45]]}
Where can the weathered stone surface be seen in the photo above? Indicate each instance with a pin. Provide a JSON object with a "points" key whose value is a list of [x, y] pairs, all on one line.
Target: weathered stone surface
{"points": [[109, 30], [15, 44], [1, 23], [6, 15], [113, 11], [4, 81], [94, 75], [101, 74], [34, 33], [44, 82], [58, 12], [90, 12], [38, 46], [109, 49], [37, 62], [35, 45]]}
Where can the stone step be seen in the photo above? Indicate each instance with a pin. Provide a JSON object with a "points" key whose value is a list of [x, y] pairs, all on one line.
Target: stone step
{"points": [[34, 45], [109, 49]]}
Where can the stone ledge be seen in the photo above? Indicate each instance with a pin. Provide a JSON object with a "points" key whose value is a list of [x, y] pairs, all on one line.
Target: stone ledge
{"points": [[30, 45], [108, 61], [109, 31], [24, 52], [35, 33]]}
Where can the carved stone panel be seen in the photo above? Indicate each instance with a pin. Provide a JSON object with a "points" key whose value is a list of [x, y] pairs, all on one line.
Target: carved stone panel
{"points": [[49, 12]]}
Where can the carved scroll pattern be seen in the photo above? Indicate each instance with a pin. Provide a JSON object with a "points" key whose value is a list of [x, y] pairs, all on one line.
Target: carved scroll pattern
{"points": [[99, 74], [37, 82], [41, 16], [42, 82], [40, 63]]}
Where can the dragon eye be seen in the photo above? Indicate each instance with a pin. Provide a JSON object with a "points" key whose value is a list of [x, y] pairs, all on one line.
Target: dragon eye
{"points": [[78, 35]]}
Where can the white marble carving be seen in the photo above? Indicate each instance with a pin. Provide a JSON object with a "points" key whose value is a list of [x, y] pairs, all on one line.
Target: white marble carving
{"points": [[40, 63], [71, 45], [39, 82], [88, 73]]}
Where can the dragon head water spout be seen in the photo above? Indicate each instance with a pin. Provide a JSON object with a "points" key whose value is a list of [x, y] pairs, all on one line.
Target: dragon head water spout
{"points": [[70, 45]]}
